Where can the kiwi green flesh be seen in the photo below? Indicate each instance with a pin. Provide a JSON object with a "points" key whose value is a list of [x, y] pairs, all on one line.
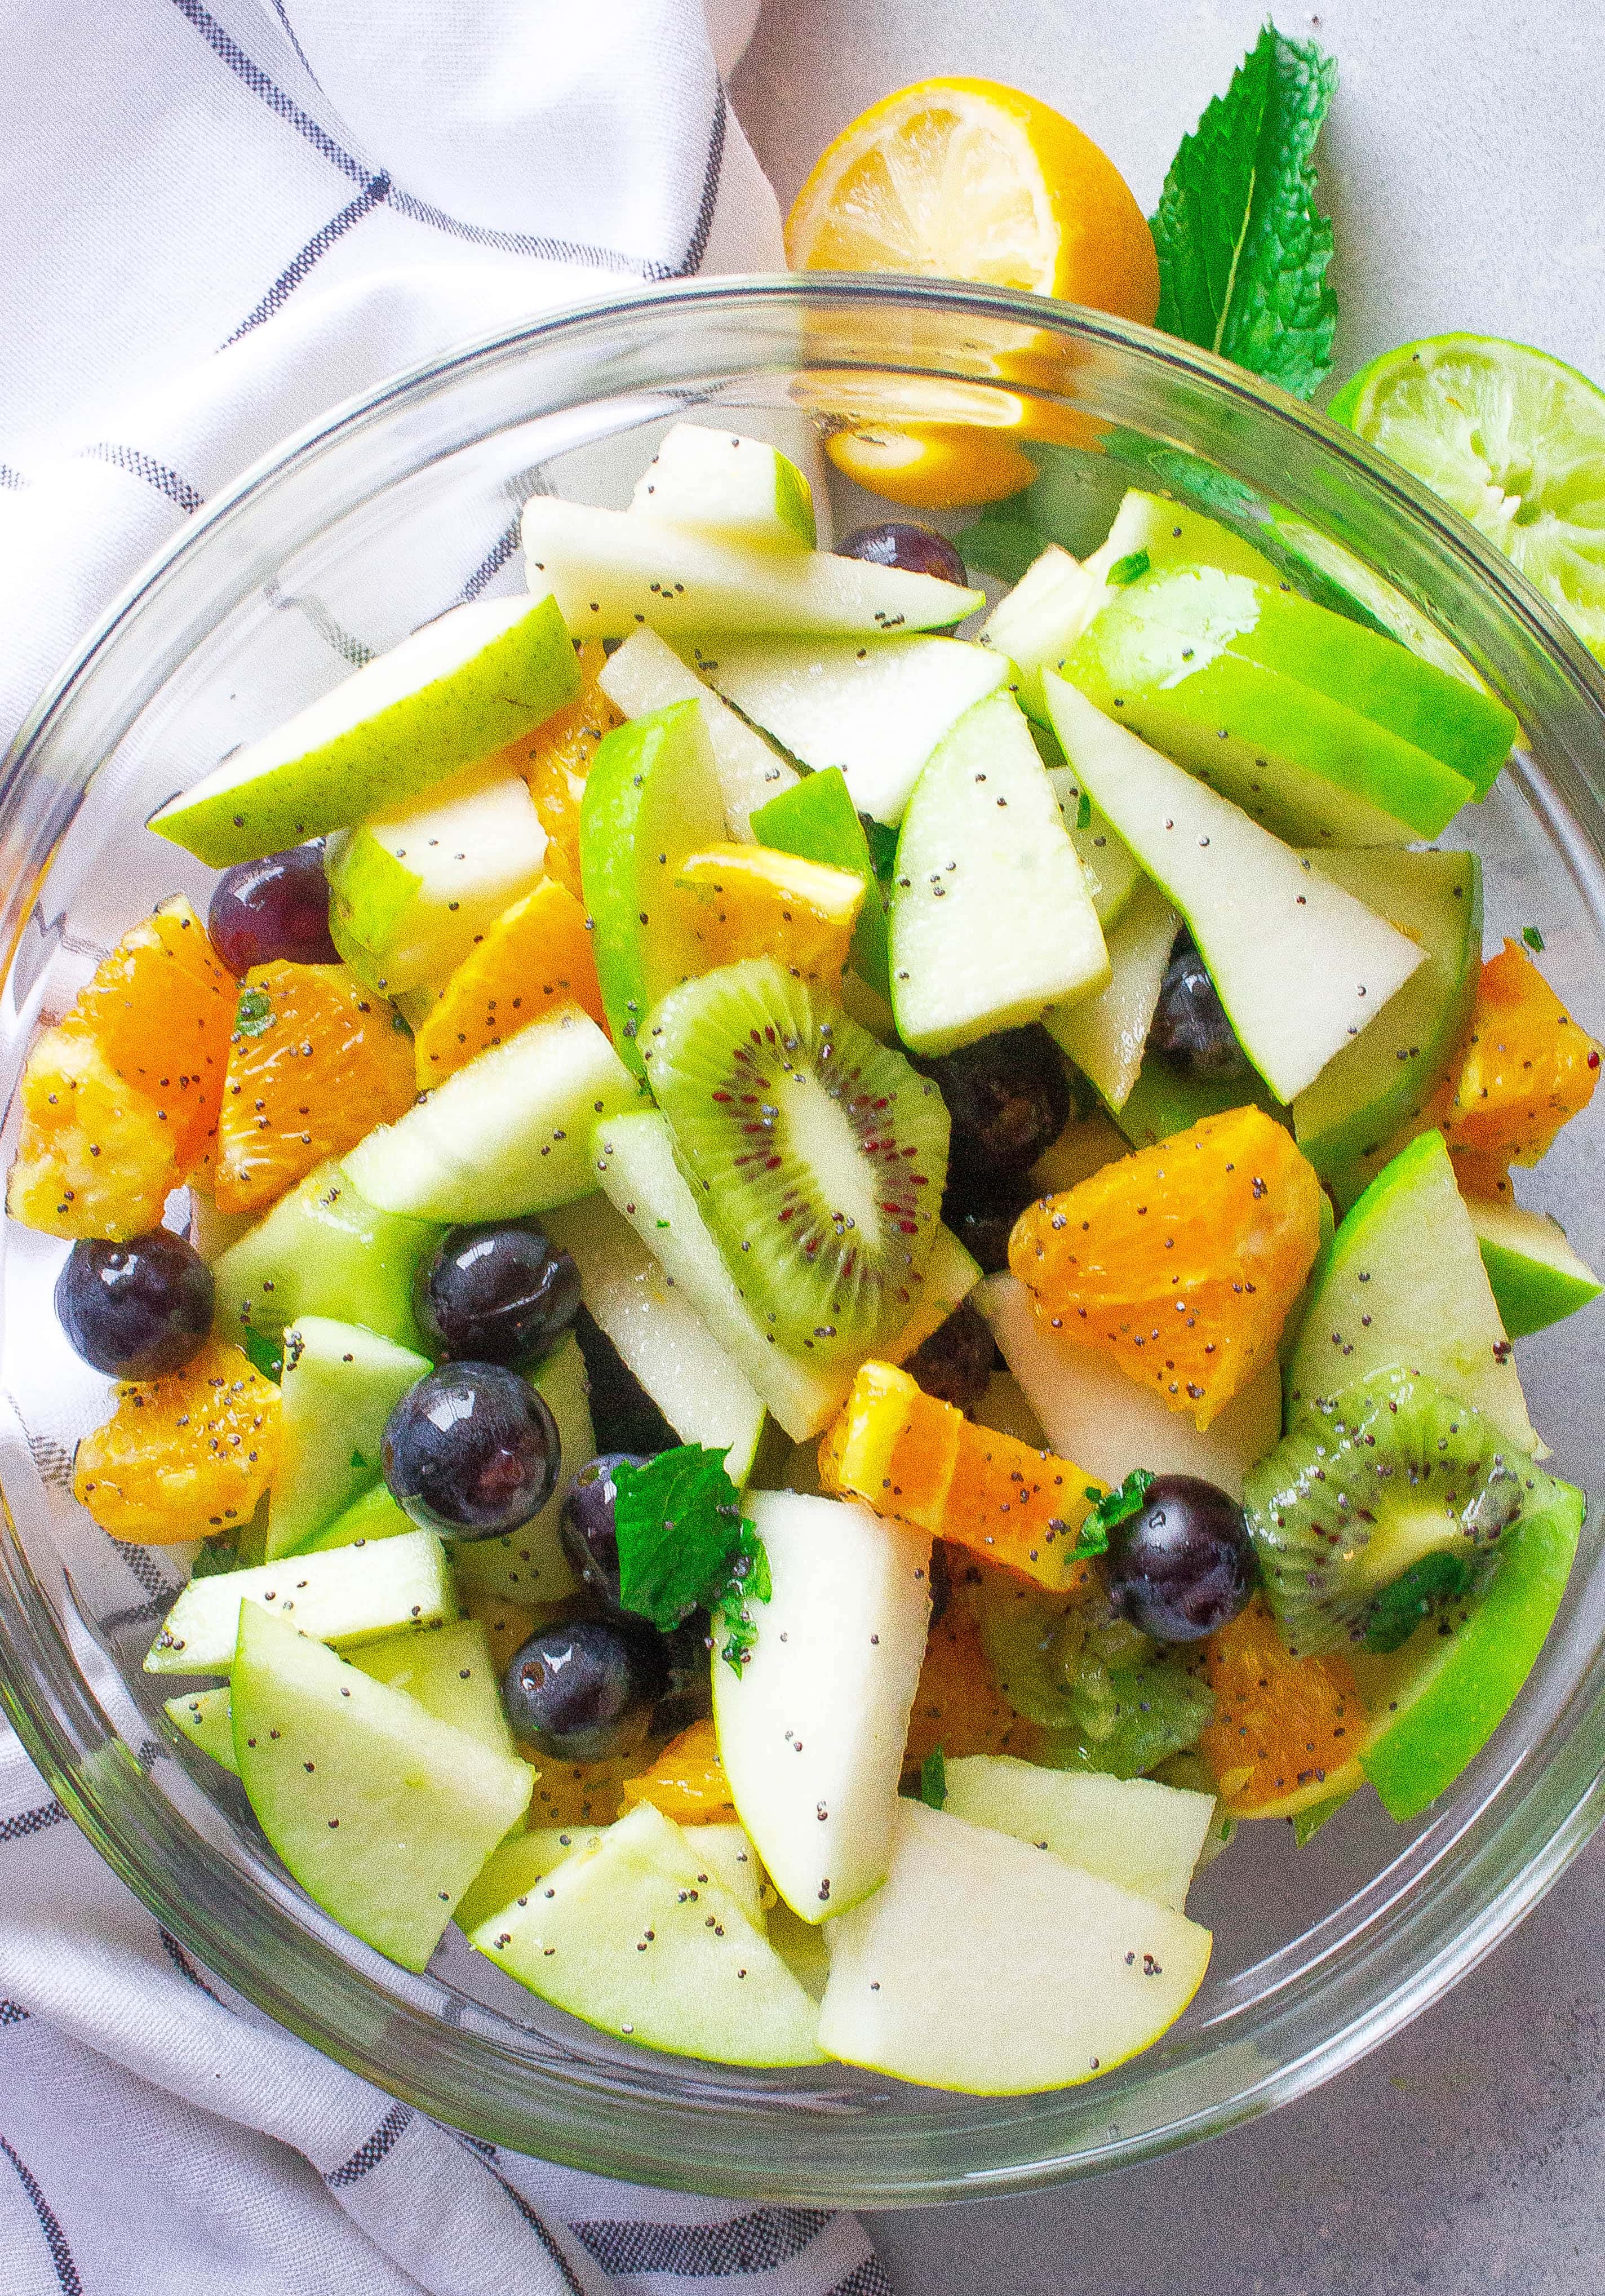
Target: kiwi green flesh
{"points": [[1380, 1508], [816, 1155]]}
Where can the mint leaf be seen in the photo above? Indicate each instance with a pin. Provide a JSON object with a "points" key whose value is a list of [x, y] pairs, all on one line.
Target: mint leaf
{"points": [[1129, 568], [266, 1352], [1110, 1508], [933, 1780], [882, 844], [1084, 810], [1242, 248], [1532, 938], [685, 1544], [253, 1014]]}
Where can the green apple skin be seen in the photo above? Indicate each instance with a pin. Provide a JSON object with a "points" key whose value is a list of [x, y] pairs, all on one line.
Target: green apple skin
{"points": [[646, 674], [1167, 534], [344, 1598], [1537, 1279], [340, 1386], [374, 1515], [652, 797], [742, 488], [455, 692], [816, 820], [324, 1251], [1435, 1703], [1166, 1100], [1367, 1096]]}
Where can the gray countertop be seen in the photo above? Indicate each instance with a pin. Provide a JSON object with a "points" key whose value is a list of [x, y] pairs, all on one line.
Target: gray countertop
{"points": [[1461, 168]]}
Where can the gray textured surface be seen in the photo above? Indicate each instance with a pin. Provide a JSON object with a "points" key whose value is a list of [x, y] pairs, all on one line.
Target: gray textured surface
{"points": [[1461, 166]]}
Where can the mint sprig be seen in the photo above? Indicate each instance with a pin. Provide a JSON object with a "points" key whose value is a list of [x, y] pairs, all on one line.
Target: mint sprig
{"points": [[1110, 1508], [685, 1544], [933, 1780]]}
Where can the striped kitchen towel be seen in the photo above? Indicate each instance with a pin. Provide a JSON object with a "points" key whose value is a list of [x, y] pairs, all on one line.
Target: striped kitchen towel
{"points": [[222, 217]]}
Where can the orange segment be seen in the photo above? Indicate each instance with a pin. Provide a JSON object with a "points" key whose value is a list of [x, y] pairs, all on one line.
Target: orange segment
{"points": [[958, 1705], [535, 956], [1181, 1261], [94, 1157], [161, 1007], [1286, 1731], [1528, 1070], [687, 1782], [315, 1061], [750, 900], [556, 758], [182, 1455]]}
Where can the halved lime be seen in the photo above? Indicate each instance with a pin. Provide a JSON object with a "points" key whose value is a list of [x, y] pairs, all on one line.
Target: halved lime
{"points": [[1514, 440]]}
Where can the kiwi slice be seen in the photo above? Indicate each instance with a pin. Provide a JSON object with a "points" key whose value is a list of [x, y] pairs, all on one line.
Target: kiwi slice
{"points": [[817, 1155], [1377, 1509]]}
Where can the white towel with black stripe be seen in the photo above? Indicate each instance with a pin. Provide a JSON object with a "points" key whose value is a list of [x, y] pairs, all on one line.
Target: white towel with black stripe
{"points": [[222, 217]]}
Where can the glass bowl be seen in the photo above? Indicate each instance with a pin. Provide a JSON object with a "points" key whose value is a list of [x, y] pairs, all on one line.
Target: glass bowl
{"points": [[368, 524]]}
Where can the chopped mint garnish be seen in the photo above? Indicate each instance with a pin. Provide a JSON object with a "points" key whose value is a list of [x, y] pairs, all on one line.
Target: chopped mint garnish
{"points": [[1129, 568], [265, 1351], [357, 1460], [1532, 938], [1242, 248], [253, 1014], [933, 1780], [1110, 1508], [683, 1543], [1427, 1585], [1084, 810], [882, 844]]}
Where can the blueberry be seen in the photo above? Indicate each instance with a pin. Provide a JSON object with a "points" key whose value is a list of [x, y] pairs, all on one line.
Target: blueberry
{"points": [[901, 542], [587, 1527], [1185, 1565], [957, 1360], [275, 908], [472, 1451], [983, 1216], [586, 1692], [1190, 1027], [688, 1654], [1009, 1098], [137, 1308], [623, 1415], [503, 1293]]}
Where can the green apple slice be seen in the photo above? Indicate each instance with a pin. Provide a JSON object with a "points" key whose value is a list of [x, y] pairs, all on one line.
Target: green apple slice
{"points": [[611, 571], [1300, 965], [1375, 1088], [1535, 1277], [812, 1728], [982, 841], [652, 796], [323, 1250], [529, 1565], [646, 675], [340, 1386], [1166, 1100], [738, 488], [351, 1595], [416, 886], [1167, 533], [516, 1867], [451, 1674], [505, 1136], [1433, 1704], [1135, 1831], [635, 1932], [1405, 1288], [1035, 625], [985, 1967], [203, 1718], [383, 1813], [1106, 1035], [374, 1514], [461, 687], [816, 819], [876, 708]]}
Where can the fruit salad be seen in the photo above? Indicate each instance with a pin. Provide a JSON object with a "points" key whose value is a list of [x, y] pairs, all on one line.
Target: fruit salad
{"points": [[823, 1275]]}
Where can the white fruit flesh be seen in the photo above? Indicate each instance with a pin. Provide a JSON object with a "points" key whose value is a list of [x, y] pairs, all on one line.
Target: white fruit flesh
{"points": [[529, 1565], [811, 1732], [1135, 1831], [1173, 536], [1106, 1035], [727, 1854], [340, 1386], [452, 1675], [415, 887], [646, 674], [1032, 1975], [634, 1932], [610, 572], [382, 1813], [1300, 966], [505, 1136], [1093, 1412], [203, 1717], [991, 918], [514, 1868], [454, 691], [1036, 626], [344, 1595], [875, 708], [739, 487], [1107, 861]]}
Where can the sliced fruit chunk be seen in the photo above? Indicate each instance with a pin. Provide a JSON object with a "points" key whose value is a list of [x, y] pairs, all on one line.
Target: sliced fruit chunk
{"points": [[324, 1251], [748, 900], [372, 1514], [183, 1455], [450, 1672], [1300, 965], [353, 1594], [93, 1158], [316, 1060], [1107, 1035], [875, 708], [534, 958], [982, 840], [1535, 1275], [203, 1717], [460, 687], [609, 572], [811, 1730], [161, 1007], [340, 1386], [1168, 1098], [505, 1136], [1009, 2024], [1106, 862], [816, 819], [634, 1932], [687, 1782], [1135, 1831], [739, 487], [1376, 1086], [515, 1868], [1035, 625], [1529, 1068], [417, 886], [817, 1156], [1287, 1733], [1168, 534], [1405, 1289], [383, 1814], [646, 675], [529, 1564], [577, 1793], [958, 1708], [555, 761]]}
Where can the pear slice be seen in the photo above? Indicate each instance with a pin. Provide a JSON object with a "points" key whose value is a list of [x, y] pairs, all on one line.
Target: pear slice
{"points": [[1132, 1831], [1107, 1035], [461, 687], [984, 1966], [1300, 965], [741, 489], [647, 675], [340, 1386], [347, 1594]]}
